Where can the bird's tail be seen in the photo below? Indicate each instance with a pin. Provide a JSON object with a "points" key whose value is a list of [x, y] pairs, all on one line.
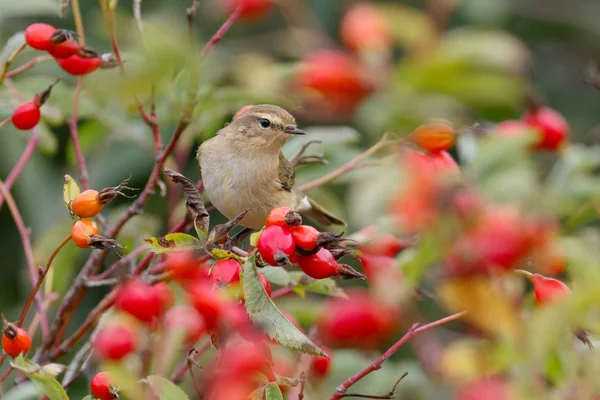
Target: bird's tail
{"points": [[321, 215]]}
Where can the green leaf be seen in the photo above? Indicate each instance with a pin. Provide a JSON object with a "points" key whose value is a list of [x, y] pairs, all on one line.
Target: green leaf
{"points": [[277, 275], [42, 377], [70, 191], [327, 286], [264, 313], [172, 242], [164, 389], [25, 391], [88, 397], [125, 378], [272, 392]]}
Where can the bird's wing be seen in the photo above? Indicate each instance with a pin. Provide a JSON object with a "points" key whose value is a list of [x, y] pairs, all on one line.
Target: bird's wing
{"points": [[286, 174]]}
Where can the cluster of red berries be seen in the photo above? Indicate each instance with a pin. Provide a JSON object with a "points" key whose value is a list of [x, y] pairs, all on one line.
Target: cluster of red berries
{"points": [[548, 124], [338, 77], [286, 241], [60, 44], [15, 340]]}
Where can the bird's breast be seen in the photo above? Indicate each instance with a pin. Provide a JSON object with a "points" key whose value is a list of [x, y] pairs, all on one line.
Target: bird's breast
{"points": [[235, 183]]}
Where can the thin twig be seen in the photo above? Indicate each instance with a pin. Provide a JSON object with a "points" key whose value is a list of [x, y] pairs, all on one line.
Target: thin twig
{"points": [[179, 373], [40, 279], [281, 293], [122, 262], [78, 21], [351, 165], [75, 367], [28, 65], [81, 164], [302, 385], [415, 329], [220, 33], [26, 242], [387, 396], [191, 362]]}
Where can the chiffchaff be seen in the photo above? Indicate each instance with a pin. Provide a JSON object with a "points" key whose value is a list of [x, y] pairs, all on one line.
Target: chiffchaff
{"points": [[243, 168]]}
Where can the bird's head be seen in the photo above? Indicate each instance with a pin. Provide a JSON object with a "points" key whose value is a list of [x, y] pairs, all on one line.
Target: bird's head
{"points": [[265, 127]]}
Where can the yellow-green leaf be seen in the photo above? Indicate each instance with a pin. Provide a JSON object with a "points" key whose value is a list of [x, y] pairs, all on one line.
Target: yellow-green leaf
{"points": [[70, 191], [42, 377], [164, 389], [172, 242]]}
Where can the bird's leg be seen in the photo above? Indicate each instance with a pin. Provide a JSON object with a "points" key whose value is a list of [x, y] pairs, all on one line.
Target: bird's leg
{"points": [[238, 237], [300, 159]]}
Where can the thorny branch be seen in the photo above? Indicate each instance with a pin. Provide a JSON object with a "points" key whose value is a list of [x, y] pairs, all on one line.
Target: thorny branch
{"points": [[414, 330]]}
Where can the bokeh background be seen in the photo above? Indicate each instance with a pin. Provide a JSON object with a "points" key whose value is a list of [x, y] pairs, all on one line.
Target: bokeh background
{"points": [[467, 61]]}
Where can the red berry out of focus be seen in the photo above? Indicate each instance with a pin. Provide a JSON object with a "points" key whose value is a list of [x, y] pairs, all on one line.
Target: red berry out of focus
{"points": [[15, 340], [364, 27], [320, 265], [165, 296], [140, 300], [77, 65], [185, 268], [249, 9], [320, 365], [554, 129], [26, 116], [101, 387], [273, 242], [443, 163], [488, 389], [115, 340], [210, 303], [548, 290], [360, 321], [37, 36], [336, 77], [187, 319]]}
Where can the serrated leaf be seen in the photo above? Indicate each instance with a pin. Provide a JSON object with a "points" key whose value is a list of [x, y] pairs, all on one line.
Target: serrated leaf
{"points": [[164, 389], [327, 286], [70, 191], [264, 313], [172, 242], [44, 380]]}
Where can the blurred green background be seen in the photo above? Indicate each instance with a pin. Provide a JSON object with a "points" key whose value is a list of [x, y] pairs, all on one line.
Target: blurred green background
{"points": [[492, 51]]}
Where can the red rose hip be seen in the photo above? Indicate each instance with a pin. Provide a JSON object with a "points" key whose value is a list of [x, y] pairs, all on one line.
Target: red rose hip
{"points": [[26, 116], [15, 340], [140, 300], [38, 36], [274, 243], [554, 129], [115, 340], [77, 65], [101, 387]]}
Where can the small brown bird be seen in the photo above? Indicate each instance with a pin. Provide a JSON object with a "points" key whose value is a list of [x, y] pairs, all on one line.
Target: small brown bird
{"points": [[243, 168]]}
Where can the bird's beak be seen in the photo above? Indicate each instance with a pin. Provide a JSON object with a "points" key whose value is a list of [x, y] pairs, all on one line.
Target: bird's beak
{"points": [[292, 130]]}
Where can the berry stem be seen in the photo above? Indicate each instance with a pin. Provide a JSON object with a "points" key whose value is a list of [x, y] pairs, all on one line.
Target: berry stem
{"points": [[83, 172], [414, 330], [28, 65], [26, 241], [351, 165], [40, 279], [6, 121]]}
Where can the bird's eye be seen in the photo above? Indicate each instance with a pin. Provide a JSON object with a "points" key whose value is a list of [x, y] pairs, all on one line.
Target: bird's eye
{"points": [[265, 123]]}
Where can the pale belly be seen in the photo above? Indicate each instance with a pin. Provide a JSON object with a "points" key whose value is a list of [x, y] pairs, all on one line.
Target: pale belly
{"points": [[235, 190]]}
